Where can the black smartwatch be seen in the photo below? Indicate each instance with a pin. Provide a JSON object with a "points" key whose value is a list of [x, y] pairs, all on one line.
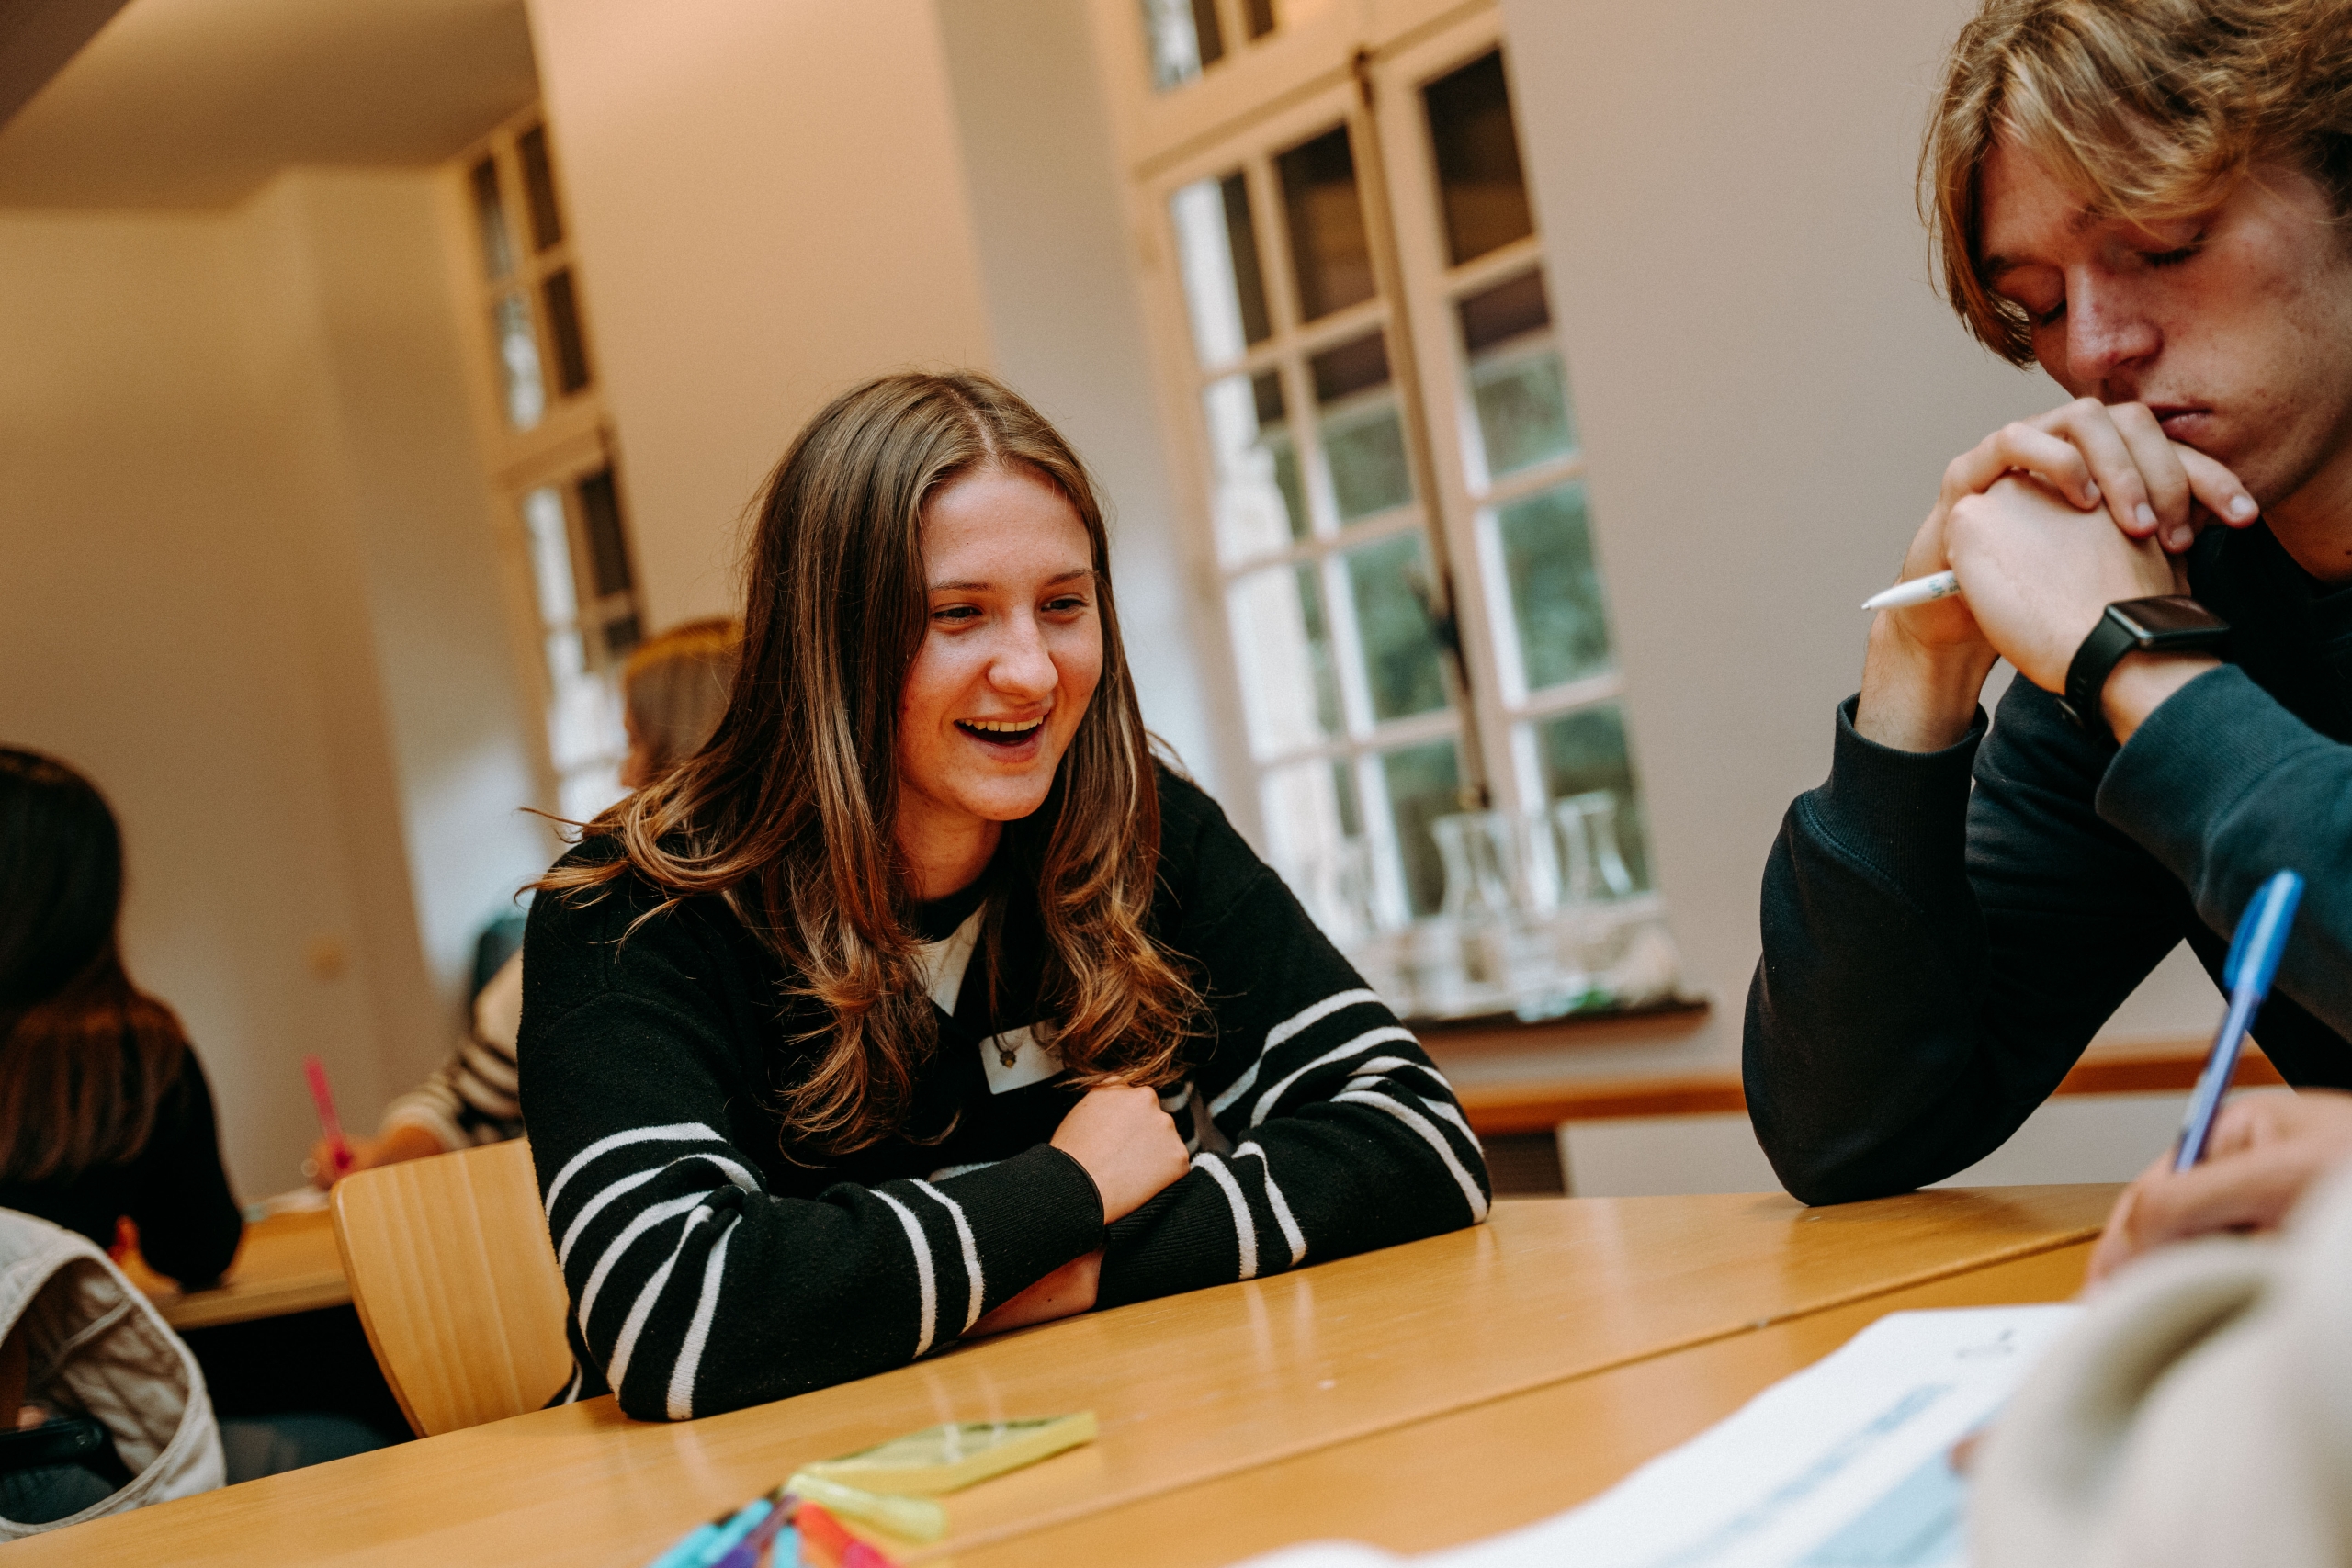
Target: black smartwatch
{"points": [[2167, 623]]}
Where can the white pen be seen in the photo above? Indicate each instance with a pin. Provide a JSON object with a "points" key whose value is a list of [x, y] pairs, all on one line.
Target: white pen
{"points": [[1919, 591]]}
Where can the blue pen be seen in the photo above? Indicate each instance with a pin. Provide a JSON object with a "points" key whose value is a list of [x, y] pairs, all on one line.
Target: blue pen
{"points": [[2261, 937]]}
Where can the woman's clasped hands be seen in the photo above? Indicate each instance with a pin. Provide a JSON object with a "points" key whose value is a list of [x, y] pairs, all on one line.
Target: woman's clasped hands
{"points": [[1132, 1150]]}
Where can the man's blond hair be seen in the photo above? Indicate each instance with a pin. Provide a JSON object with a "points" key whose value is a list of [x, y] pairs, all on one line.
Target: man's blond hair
{"points": [[2148, 109]]}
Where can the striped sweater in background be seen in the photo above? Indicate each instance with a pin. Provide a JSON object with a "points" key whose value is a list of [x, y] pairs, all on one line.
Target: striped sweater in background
{"points": [[470, 1098], [711, 1266]]}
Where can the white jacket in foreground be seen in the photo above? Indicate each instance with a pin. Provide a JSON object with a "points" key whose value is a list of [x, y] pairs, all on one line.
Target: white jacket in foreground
{"points": [[2200, 1413], [96, 1347]]}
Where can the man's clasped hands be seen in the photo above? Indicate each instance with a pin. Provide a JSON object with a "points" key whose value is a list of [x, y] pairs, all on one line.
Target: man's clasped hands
{"points": [[2046, 523]]}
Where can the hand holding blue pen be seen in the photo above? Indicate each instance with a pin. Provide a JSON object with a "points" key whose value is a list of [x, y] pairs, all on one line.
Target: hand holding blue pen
{"points": [[2247, 973]]}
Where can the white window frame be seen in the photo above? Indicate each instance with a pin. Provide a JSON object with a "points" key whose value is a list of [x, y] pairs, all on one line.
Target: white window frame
{"points": [[580, 761], [1270, 95]]}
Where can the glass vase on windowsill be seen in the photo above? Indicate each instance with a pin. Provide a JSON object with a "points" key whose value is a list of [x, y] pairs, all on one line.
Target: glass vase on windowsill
{"points": [[1540, 919]]}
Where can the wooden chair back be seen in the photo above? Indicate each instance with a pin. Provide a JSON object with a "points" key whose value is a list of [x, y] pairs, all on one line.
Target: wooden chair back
{"points": [[457, 1284]]}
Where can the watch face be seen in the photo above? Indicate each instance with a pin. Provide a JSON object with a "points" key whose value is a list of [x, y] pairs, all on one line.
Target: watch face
{"points": [[2168, 615]]}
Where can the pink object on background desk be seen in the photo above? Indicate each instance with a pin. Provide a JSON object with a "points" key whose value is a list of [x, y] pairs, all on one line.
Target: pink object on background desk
{"points": [[316, 1071]]}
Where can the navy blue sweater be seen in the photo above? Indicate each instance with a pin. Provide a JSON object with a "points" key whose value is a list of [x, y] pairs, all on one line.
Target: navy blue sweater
{"points": [[1938, 955]]}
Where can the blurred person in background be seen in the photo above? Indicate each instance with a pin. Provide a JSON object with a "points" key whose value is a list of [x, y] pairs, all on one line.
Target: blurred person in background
{"points": [[103, 1108], [105, 1114], [674, 689]]}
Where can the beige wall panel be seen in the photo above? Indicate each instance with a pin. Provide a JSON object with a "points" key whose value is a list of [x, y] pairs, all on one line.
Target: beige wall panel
{"points": [[154, 632], [365, 359], [247, 584], [767, 208]]}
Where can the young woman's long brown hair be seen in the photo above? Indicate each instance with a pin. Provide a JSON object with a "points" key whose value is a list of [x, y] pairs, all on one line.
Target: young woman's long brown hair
{"points": [[788, 811], [85, 1059]]}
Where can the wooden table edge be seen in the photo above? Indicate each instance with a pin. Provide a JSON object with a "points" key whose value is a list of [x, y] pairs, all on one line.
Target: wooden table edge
{"points": [[210, 1309], [944, 1550]]}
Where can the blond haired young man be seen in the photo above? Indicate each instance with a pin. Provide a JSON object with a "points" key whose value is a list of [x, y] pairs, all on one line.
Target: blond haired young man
{"points": [[2148, 198]]}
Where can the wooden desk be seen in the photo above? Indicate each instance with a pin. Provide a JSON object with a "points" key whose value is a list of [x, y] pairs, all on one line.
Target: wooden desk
{"points": [[1481, 1471], [287, 1263], [1188, 1390]]}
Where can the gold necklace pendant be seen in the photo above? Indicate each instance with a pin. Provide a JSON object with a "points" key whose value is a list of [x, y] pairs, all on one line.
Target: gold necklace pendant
{"points": [[1006, 1055]]}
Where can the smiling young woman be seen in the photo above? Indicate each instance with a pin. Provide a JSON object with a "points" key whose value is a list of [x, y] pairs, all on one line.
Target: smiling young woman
{"points": [[924, 1001]]}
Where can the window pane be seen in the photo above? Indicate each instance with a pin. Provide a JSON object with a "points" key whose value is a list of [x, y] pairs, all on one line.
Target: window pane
{"points": [[1403, 670], [563, 326], [1555, 597], [1364, 439], [550, 557], [1217, 244], [1516, 384], [1261, 16], [518, 361], [1331, 255], [1423, 784], [1183, 36], [1583, 755], [1241, 244], [600, 511], [1282, 638], [538, 184], [1496, 315], [1480, 188], [584, 716], [1343, 790], [1258, 504], [489, 214], [583, 794], [1315, 830]]}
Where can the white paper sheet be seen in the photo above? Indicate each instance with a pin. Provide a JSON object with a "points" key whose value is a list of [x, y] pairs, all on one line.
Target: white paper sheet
{"points": [[1842, 1465]]}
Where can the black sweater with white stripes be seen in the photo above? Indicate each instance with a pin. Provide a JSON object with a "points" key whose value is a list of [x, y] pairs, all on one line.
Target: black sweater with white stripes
{"points": [[712, 1264]]}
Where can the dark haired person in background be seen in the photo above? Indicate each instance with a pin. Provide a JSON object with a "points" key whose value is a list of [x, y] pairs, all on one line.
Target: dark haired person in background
{"points": [[103, 1108]]}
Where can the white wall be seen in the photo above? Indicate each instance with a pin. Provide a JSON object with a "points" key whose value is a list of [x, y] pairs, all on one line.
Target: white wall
{"points": [[2069, 1138], [766, 207], [1066, 313], [151, 633], [1769, 391], [242, 527]]}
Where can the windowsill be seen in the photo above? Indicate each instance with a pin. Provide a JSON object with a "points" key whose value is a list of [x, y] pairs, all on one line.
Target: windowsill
{"points": [[1644, 1025], [1507, 1106]]}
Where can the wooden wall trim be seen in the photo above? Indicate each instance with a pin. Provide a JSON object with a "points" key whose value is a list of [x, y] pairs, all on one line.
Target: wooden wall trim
{"points": [[1503, 1108]]}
